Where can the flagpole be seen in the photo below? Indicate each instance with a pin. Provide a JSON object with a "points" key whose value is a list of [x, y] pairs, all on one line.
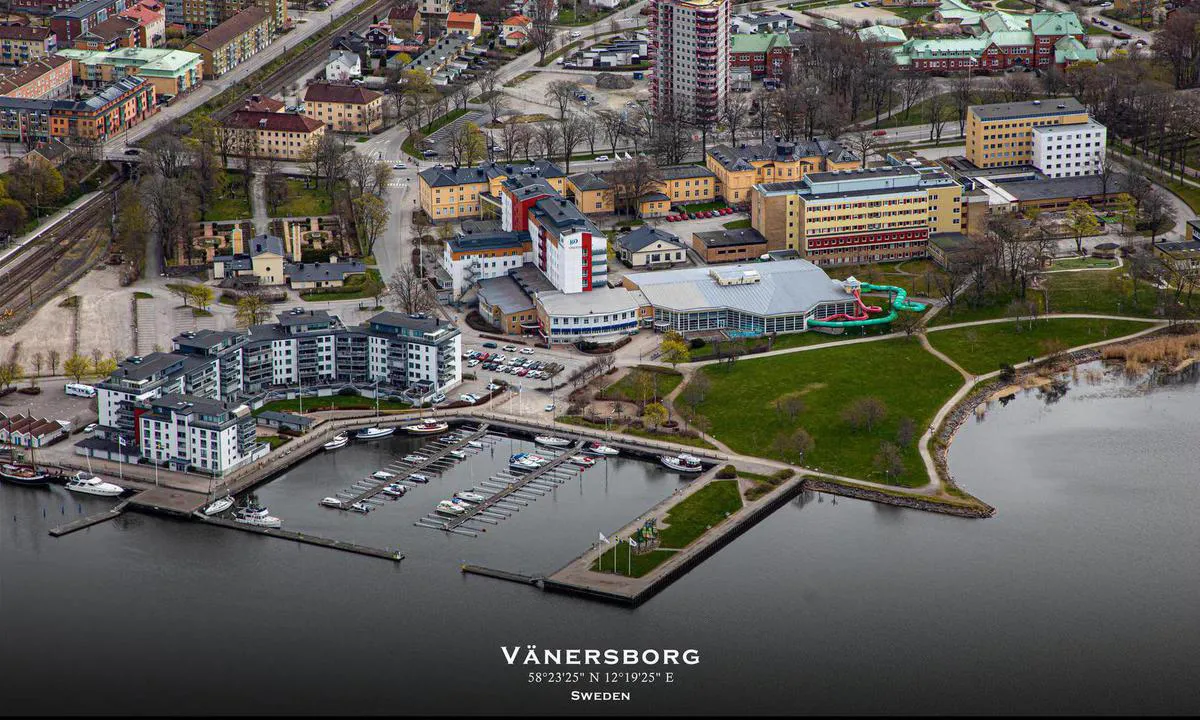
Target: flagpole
{"points": [[599, 554], [629, 559]]}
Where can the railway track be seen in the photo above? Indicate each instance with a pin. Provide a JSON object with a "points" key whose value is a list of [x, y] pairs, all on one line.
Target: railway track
{"points": [[30, 277], [318, 52]]}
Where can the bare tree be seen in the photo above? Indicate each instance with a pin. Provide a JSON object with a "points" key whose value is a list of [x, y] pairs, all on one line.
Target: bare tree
{"points": [[408, 292], [632, 179], [563, 93], [962, 92], [570, 133], [542, 32], [863, 143]]}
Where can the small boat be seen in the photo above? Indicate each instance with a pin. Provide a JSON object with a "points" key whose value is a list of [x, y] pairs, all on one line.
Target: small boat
{"points": [[551, 441], [474, 444], [418, 478], [522, 461], [470, 497], [393, 491], [20, 475], [383, 475], [582, 461], [373, 433], [249, 516], [338, 441], [331, 502], [459, 454], [218, 506], [682, 463], [427, 426], [359, 507], [447, 507], [92, 485], [414, 458], [596, 448], [537, 459], [253, 509]]}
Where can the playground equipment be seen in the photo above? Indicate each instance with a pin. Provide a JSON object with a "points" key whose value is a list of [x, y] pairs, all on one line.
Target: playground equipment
{"points": [[863, 317]]}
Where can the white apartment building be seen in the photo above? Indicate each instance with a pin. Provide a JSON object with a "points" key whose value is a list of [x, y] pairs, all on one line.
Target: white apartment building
{"points": [[689, 42], [469, 258], [186, 431], [1070, 150], [567, 247]]}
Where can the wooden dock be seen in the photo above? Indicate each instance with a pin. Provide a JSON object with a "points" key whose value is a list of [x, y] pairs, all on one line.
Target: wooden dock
{"points": [[502, 574], [503, 494], [87, 522], [393, 555], [168, 500], [424, 465]]}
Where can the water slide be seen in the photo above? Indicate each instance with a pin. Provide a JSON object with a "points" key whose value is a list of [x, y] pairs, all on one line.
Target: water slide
{"points": [[862, 316]]}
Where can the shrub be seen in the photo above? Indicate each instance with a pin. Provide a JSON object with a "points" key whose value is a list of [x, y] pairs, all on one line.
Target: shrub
{"points": [[783, 474], [726, 473], [1007, 373], [695, 343], [348, 392]]}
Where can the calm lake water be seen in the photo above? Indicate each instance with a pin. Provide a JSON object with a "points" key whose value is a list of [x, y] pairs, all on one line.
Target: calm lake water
{"points": [[1079, 596]]}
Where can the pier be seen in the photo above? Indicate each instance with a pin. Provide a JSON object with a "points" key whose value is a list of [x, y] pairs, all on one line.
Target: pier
{"points": [[87, 522], [515, 489], [502, 574], [429, 464], [393, 555]]}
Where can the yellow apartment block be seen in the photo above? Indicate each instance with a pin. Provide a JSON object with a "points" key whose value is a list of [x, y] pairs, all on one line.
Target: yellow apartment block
{"points": [[737, 170], [1002, 133], [454, 193]]}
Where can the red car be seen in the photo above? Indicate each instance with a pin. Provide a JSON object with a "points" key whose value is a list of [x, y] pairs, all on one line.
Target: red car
{"points": [[708, 213], [726, 211], [880, 132]]}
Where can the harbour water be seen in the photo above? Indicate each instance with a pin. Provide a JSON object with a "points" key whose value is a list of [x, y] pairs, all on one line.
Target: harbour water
{"points": [[1078, 596]]}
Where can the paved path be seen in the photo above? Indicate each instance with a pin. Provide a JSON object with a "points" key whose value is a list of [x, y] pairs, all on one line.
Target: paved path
{"points": [[258, 201]]}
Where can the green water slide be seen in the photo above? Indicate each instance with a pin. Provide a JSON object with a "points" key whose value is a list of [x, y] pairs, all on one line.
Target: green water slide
{"points": [[900, 301]]}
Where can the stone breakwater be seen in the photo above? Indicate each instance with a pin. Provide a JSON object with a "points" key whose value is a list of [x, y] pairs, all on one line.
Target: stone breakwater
{"points": [[979, 510]]}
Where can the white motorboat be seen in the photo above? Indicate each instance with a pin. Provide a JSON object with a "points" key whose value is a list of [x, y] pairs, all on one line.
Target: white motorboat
{"points": [[537, 459], [359, 507], [92, 485], [596, 448], [582, 461], [331, 502], [339, 441], [682, 463], [253, 509], [250, 518], [474, 444], [418, 478], [218, 506], [393, 491], [459, 454], [383, 475], [414, 458], [551, 441], [447, 507], [470, 497], [427, 426], [522, 461], [373, 433]]}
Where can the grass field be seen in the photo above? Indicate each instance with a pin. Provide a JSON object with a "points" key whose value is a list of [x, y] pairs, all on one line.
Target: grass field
{"points": [[1103, 292], [1081, 263], [911, 383], [1012, 5], [990, 307], [737, 224], [438, 123], [304, 201], [624, 389], [708, 351], [911, 14], [983, 348], [688, 520], [229, 208], [332, 402], [701, 207]]}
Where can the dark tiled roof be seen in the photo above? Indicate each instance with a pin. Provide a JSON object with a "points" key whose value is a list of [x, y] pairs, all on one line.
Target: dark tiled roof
{"points": [[682, 172], [23, 32], [27, 73], [260, 244], [497, 240], [740, 158], [589, 181], [447, 176], [726, 238], [1028, 108], [316, 272], [331, 92], [265, 120], [643, 236], [223, 34]]}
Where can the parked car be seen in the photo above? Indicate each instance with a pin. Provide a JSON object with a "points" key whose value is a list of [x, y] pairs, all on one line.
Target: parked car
{"points": [[601, 158], [472, 363], [510, 348], [493, 386], [526, 351], [91, 427], [490, 345], [399, 166], [429, 153], [522, 372], [576, 34], [550, 407], [879, 132]]}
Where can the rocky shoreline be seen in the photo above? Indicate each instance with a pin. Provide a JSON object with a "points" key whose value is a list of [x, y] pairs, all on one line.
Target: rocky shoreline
{"points": [[982, 510]]}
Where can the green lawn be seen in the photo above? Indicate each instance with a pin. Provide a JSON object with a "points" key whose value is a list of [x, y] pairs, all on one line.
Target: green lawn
{"points": [[274, 440], [911, 382], [686, 521], [983, 348], [701, 207], [1096, 30], [968, 309], [1012, 5], [229, 208], [332, 402], [140, 295], [438, 123], [911, 14], [624, 389], [737, 224], [1082, 263], [1102, 292], [790, 340], [638, 432], [352, 290], [304, 201]]}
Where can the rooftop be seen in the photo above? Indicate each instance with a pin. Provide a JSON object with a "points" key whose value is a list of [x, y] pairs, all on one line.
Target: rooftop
{"points": [[447, 176], [271, 120], [260, 244], [146, 59], [730, 238], [599, 301], [589, 181], [330, 92], [645, 235], [743, 157], [758, 42], [784, 287], [231, 29], [558, 215], [318, 272], [493, 240], [1028, 108], [504, 292]]}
